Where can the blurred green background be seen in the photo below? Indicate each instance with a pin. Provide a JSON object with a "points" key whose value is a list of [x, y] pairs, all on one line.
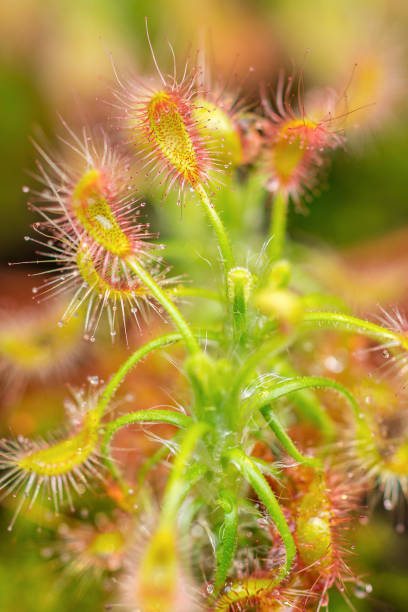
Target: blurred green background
{"points": [[55, 58]]}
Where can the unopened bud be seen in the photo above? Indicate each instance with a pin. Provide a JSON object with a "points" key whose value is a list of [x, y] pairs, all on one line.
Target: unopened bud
{"points": [[281, 304], [240, 282], [279, 275]]}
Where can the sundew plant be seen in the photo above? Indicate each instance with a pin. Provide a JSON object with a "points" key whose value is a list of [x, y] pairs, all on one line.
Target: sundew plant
{"points": [[265, 460]]}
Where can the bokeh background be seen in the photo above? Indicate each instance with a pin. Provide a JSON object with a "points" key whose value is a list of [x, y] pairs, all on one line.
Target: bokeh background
{"points": [[55, 58]]}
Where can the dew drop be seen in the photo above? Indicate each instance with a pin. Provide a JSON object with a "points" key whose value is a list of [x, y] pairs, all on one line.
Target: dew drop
{"points": [[210, 588], [25, 189], [333, 364], [46, 552], [388, 505], [361, 590], [93, 380]]}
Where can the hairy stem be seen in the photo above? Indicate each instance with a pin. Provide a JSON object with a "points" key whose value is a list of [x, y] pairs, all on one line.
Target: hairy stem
{"points": [[176, 485], [270, 348], [278, 227], [118, 377], [166, 303], [285, 387], [228, 537], [285, 440], [348, 323], [137, 356], [261, 487], [141, 416], [307, 403], [219, 229], [155, 458]]}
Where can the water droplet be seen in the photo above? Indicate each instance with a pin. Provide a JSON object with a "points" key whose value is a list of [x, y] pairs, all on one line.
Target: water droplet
{"points": [[93, 380], [210, 588], [46, 552], [324, 600], [361, 590], [333, 364], [388, 505], [26, 238]]}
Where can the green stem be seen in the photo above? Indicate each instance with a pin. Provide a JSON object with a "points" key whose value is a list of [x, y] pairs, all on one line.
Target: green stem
{"points": [[154, 459], [117, 378], [227, 539], [191, 554], [176, 485], [285, 387], [308, 403], [278, 227], [141, 416], [269, 349], [171, 309], [285, 440], [348, 323], [239, 285], [124, 369], [261, 487], [219, 229]]}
